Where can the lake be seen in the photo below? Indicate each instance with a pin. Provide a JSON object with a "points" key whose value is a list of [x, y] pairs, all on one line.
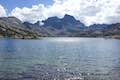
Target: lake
{"points": [[89, 56]]}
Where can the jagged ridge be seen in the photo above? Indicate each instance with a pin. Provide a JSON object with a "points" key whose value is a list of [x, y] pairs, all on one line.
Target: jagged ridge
{"points": [[54, 26]]}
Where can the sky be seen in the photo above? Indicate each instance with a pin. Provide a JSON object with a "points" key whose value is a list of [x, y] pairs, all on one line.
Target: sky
{"points": [[87, 11], [11, 4]]}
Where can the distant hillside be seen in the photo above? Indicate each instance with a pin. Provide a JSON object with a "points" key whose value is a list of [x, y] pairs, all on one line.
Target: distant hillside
{"points": [[67, 26]]}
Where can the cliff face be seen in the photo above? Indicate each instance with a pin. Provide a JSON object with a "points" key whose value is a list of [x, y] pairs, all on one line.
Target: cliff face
{"points": [[13, 28]]}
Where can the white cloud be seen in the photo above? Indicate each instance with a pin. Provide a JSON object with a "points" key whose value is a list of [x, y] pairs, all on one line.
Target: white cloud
{"points": [[87, 11], [2, 11]]}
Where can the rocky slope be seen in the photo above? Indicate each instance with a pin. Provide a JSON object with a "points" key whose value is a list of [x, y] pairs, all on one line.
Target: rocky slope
{"points": [[13, 28]]}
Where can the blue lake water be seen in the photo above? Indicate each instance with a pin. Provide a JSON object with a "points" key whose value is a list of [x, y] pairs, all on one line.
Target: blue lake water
{"points": [[85, 55]]}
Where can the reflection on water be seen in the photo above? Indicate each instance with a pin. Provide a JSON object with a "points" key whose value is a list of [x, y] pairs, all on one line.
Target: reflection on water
{"points": [[85, 55], [59, 39]]}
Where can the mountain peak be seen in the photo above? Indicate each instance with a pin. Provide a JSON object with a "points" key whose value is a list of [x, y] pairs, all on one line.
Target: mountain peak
{"points": [[70, 19], [67, 15], [67, 20]]}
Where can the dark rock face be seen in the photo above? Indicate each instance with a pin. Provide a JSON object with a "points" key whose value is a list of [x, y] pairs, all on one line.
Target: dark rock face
{"points": [[67, 21], [53, 22]]}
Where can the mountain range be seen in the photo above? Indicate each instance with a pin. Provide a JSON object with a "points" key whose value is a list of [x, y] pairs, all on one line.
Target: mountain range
{"points": [[67, 26]]}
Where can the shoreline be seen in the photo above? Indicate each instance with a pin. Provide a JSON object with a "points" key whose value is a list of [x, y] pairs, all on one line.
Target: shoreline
{"points": [[105, 37]]}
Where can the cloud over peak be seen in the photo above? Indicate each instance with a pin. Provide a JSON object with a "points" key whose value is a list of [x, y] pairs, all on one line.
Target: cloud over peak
{"points": [[87, 11]]}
